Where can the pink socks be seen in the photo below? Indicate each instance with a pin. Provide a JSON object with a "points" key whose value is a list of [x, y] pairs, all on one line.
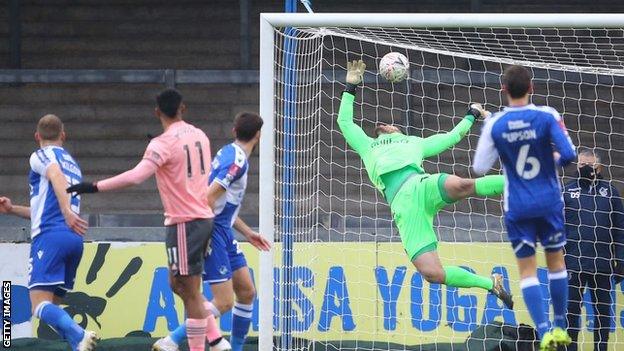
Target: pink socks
{"points": [[196, 331], [212, 331]]}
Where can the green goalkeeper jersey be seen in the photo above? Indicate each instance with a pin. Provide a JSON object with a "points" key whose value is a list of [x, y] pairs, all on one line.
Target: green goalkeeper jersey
{"points": [[396, 151]]}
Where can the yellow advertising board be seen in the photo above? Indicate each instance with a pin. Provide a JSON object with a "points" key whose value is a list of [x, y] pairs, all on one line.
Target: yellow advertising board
{"points": [[341, 291]]}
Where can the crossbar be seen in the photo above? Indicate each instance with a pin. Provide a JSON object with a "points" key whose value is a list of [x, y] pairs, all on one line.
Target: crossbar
{"points": [[446, 20]]}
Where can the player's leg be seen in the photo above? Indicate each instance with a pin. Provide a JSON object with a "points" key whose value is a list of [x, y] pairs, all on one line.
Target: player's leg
{"points": [[50, 255], [212, 274], [414, 208], [522, 235], [223, 297], [245, 294], [456, 188], [218, 273], [576, 286], [531, 290], [428, 264], [186, 246], [187, 287], [74, 246], [172, 341], [552, 225], [600, 288], [558, 286]]}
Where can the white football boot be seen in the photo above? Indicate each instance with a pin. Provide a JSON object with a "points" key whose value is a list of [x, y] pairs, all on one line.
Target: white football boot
{"points": [[89, 339], [165, 344], [222, 345]]}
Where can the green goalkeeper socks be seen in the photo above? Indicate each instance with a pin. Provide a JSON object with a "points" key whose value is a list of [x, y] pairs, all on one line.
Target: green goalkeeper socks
{"points": [[490, 185], [461, 278]]}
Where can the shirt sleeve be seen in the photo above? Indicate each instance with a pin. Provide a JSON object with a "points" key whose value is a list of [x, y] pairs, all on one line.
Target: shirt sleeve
{"points": [[353, 134], [561, 139], [157, 152], [486, 153], [617, 220], [435, 144], [41, 159], [135, 176], [229, 167]]}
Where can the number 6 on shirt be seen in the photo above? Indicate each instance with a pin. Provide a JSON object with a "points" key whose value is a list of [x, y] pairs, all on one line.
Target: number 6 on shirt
{"points": [[523, 160]]}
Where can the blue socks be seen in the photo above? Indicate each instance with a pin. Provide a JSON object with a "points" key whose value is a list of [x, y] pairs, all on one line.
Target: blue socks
{"points": [[559, 296], [58, 319], [179, 334], [241, 320], [532, 294]]}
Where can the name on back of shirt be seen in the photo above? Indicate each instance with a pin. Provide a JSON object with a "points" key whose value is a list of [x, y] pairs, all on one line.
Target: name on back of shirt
{"points": [[70, 167], [380, 142], [520, 135]]}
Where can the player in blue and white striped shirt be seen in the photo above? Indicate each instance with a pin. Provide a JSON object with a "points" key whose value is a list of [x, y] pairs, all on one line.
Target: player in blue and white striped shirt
{"points": [[56, 231], [523, 136]]}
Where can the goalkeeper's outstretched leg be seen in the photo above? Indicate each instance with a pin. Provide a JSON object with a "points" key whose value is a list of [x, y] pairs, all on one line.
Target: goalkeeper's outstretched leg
{"points": [[428, 264], [457, 188], [415, 206]]}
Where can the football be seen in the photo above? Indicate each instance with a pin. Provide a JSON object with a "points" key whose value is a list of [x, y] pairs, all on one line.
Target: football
{"points": [[394, 67]]}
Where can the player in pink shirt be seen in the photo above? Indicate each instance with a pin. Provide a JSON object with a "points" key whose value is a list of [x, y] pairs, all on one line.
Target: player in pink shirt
{"points": [[180, 158]]}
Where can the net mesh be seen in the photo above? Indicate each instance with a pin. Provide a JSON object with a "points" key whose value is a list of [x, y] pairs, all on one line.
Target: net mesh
{"points": [[341, 273]]}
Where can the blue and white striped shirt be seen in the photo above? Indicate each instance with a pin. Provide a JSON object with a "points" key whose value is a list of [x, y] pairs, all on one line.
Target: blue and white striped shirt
{"points": [[45, 212]]}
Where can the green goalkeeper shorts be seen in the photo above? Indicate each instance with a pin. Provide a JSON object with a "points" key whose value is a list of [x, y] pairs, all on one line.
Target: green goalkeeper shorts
{"points": [[413, 209]]}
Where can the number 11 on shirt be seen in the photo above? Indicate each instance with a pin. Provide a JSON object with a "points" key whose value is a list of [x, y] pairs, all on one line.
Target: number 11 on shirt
{"points": [[189, 168]]}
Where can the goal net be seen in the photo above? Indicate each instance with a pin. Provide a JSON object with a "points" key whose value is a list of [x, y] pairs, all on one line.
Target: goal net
{"points": [[341, 276]]}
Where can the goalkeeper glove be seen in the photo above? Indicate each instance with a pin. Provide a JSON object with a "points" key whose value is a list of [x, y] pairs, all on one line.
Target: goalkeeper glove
{"points": [[478, 111], [355, 71], [82, 188]]}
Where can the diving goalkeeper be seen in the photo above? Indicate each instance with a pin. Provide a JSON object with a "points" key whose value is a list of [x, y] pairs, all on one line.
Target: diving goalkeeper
{"points": [[394, 165]]}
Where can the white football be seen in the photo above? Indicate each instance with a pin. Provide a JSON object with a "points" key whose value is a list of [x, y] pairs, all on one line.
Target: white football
{"points": [[394, 67]]}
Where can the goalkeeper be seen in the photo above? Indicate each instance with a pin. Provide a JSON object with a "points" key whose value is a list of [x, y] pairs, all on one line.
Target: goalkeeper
{"points": [[394, 165]]}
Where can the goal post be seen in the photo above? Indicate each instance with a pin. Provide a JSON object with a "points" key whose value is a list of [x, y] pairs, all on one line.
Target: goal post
{"points": [[315, 197]]}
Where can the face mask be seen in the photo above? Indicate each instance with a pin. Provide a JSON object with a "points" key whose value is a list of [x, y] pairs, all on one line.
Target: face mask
{"points": [[587, 172]]}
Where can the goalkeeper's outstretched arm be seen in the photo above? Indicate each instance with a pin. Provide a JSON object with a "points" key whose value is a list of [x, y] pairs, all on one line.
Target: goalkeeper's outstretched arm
{"points": [[438, 143], [354, 135]]}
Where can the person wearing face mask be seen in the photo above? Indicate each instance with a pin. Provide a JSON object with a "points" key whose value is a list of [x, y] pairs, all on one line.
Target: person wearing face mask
{"points": [[594, 221]]}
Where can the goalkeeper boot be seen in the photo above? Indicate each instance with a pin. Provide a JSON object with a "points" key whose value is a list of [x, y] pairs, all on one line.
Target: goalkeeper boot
{"points": [[89, 339], [561, 337], [499, 291], [165, 344]]}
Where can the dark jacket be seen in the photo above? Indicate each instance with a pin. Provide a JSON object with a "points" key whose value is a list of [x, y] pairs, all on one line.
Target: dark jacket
{"points": [[594, 221]]}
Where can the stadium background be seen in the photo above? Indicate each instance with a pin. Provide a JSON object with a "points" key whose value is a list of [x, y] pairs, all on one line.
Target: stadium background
{"points": [[209, 51]]}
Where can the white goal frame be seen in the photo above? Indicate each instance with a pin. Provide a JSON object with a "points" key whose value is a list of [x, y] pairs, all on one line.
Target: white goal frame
{"points": [[270, 21]]}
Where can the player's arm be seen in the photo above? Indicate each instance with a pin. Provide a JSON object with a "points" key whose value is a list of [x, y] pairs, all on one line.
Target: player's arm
{"points": [[140, 173], [227, 169], [7, 207], [215, 191], [354, 135], [253, 237], [486, 153], [563, 144], [438, 143], [155, 156], [59, 184]]}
